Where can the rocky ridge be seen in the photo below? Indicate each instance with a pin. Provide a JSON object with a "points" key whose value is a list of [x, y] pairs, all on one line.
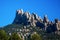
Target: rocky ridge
{"points": [[26, 18], [26, 24]]}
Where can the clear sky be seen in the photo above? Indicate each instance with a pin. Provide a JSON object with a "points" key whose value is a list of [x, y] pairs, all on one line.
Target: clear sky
{"points": [[40, 7]]}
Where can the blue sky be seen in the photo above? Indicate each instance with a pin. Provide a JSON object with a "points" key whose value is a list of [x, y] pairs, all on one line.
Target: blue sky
{"points": [[40, 7]]}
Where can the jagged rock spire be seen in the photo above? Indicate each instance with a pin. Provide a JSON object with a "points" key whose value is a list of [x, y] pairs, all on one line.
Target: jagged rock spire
{"points": [[45, 20], [27, 14], [35, 16], [56, 20], [20, 11]]}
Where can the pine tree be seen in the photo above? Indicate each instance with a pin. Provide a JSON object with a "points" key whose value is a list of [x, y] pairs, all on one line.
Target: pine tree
{"points": [[36, 37], [3, 35]]}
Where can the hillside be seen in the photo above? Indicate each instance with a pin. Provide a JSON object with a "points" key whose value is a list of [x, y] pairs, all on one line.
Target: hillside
{"points": [[25, 24]]}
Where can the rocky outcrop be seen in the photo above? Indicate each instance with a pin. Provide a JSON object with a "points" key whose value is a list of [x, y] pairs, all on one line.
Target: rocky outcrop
{"points": [[26, 18]]}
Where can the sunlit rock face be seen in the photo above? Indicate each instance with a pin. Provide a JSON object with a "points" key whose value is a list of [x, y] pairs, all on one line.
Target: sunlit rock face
{"points": [[57, 23], [26, 18], [45, 20], [35, 16], [20, 11]]}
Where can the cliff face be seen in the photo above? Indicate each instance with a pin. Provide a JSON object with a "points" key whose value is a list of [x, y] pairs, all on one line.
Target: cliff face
{"points": [[26, 18]]}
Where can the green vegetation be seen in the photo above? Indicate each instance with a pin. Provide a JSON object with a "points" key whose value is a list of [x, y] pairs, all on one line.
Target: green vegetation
{"points": [[36, 37], [15, 36], [3, 35], [40, 34]]}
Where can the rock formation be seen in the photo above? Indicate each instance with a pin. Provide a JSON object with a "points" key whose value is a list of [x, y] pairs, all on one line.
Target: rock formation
{"points": [[26, 18]]}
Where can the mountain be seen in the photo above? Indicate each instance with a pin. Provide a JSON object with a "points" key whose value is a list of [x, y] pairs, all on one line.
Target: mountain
{"points": [[26, 18], [33, 20], [26, 24]]}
